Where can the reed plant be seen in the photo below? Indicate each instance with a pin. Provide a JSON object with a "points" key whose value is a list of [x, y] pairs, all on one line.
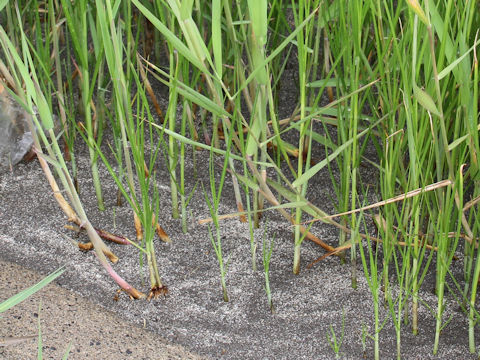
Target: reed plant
{"points": [[24, 82], [333, 340], [213, 205], [267, 251], [134, 127], [81, 23]]}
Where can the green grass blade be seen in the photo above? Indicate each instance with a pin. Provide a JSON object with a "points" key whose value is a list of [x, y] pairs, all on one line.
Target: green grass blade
{"points": [[3, 3], [450, 67], [307, 175], [425, 100], [171, 38], [18, 298]]}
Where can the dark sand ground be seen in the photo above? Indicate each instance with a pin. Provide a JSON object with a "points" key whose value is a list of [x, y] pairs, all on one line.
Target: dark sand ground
{"points": [[193, 316]]}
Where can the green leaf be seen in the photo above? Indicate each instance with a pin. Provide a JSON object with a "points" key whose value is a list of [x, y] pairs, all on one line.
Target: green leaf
{"points": [[171, 38], [425, 100], [450, 67], [3, 3], [258, 15], [30, 87], [188, 92], [291, 196], [274, 53], [316, 168], [247, 181], [186, 9], [18, 298], [417, 9], [186, 140], [217, 36], [457, 142], [332, 82]]}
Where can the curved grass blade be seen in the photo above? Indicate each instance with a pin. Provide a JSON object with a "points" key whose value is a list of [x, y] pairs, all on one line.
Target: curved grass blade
{"points": [[18, 298]]}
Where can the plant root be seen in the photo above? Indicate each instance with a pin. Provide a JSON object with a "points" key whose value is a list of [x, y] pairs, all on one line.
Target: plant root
{"points": [[117, 239], [157, 291]]}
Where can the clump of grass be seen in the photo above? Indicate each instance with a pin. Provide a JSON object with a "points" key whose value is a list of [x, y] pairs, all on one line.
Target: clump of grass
{"points": [[133, 128], [80, 25], [266, 256], [213, 205], [333, 340], [414, 101], [39, 105]]}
